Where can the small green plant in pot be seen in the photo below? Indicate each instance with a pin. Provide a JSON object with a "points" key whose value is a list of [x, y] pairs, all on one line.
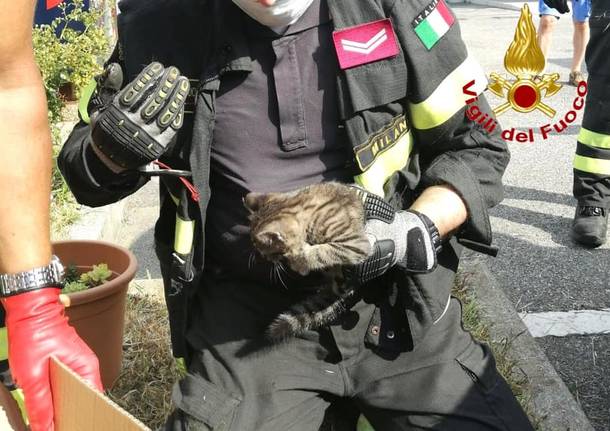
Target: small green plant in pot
{"points": [[76, 282], [95, 297]]}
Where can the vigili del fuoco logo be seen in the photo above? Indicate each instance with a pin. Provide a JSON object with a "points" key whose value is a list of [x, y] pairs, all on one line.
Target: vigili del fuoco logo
{"points": [[530, 88]]}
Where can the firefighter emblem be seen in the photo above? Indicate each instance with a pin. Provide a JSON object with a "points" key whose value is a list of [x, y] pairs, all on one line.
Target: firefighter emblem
{"points": [[525, 61]]}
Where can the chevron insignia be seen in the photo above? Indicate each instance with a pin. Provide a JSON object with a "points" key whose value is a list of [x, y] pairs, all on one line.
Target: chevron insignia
{"points": [[365, 43], [368, 47]]}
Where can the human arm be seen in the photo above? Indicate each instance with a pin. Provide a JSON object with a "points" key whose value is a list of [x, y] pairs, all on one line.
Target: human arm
{"points": [[444, 207], [25, 147], [460, 163], [454, 150], [37, 327]]}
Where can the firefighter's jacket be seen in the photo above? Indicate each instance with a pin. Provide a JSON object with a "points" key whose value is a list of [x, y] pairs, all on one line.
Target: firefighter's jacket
{"points": [[404, 116]]}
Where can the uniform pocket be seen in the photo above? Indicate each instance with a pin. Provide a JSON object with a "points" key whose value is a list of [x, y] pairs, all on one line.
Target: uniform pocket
{"points": [[207, 407], [479, 364]]}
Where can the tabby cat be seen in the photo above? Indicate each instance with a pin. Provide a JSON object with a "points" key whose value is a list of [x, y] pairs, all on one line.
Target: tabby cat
{"points": [[317, 228]]}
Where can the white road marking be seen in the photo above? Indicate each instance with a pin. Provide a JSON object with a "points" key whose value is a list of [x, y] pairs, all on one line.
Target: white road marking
{"points": [[561, 324]]}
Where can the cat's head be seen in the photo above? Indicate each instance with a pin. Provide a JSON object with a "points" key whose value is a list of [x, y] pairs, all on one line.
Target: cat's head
{"points": [[275, 228]]}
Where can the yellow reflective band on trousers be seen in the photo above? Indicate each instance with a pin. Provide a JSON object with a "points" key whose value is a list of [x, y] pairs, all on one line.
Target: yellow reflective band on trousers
{"points": [[185, 231], [3, 344], [593, 139], [591, 165], [449, 97], [393, 159], [85, 97]]}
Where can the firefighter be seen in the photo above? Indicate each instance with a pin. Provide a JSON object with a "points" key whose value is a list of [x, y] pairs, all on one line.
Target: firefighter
{"points": [[592, 158], [30, 279], [285, 94]]}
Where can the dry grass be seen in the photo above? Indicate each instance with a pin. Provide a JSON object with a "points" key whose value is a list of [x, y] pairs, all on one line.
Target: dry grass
{"points": [[144, 386]]}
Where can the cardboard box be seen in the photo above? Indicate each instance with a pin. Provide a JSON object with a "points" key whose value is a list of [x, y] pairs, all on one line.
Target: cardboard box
{"points": [[77, 407], [80, 408]]}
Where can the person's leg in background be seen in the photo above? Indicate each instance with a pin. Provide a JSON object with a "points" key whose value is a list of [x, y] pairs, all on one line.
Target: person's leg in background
{"points": [[592, 159], [548, 21], [545, 32], [581, 10]]}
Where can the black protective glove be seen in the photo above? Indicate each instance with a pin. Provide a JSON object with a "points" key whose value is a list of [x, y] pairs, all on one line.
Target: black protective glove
{"points": [[560, 5], [133, 127], [406, 239]]}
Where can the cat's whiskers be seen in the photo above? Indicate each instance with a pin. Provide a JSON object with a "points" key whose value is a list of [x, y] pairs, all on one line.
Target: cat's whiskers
{"points": [[279, 268]]}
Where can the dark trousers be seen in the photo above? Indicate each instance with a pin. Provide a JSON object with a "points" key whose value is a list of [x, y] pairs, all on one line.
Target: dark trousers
{"points": [[236, 382], [592, 162]]}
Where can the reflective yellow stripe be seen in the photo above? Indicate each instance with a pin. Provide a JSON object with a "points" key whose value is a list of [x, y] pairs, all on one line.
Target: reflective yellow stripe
{"points": [[449, 97], [85, 97], [3, 344], [19, 398], [385, 164], [593, 139], [185, 231], [591, 165]]}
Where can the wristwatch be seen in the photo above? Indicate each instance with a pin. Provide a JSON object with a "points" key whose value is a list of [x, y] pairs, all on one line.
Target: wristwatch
{"points": [[51, 275]]}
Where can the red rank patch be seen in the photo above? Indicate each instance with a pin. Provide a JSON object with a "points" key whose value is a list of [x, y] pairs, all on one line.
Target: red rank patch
{"points": [[365, 43], [53, 3]]}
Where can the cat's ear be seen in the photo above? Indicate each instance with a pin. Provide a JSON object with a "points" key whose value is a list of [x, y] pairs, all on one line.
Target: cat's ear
{"points": [[253, 201]]}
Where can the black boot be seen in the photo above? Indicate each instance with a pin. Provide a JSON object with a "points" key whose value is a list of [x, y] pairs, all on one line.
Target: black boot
{"points": [[590, 225]]}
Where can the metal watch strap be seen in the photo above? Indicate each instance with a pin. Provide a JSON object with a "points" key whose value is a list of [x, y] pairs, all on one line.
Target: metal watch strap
{"points": [[34, 279]]}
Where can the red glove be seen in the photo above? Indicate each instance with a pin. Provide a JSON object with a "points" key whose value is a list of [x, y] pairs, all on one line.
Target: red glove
{"points": [[38, 329]]}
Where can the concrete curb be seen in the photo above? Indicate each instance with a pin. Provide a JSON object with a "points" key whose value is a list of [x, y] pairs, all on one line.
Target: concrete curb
{"points": [[101, 223], [551, 400]]}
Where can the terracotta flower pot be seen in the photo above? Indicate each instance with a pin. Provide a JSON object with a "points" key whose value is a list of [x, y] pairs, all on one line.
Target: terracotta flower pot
{"points": [[98, 314]]}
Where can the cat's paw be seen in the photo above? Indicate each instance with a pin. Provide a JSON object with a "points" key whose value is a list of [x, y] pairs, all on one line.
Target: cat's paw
{"points": [[298, 264]]}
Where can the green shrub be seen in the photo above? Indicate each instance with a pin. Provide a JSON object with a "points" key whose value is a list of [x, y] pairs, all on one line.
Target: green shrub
{"points": [[69, 53]]}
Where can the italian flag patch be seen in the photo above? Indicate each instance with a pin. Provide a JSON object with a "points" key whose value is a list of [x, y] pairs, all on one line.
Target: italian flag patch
{"points": [[432, 24]]}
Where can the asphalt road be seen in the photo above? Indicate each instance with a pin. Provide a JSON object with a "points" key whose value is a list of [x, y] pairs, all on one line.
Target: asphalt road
{"points": [[538, 266]]}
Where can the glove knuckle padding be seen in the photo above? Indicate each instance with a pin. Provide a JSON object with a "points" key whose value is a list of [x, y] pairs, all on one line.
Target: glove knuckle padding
{"points": [[136, 91], [160, 97], [173, 113], [125, 143], [376, 208]]}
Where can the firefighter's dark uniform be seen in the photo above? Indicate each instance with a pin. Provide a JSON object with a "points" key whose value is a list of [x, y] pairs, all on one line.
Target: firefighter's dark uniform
{"points": [[592, 159], [400, 353]]}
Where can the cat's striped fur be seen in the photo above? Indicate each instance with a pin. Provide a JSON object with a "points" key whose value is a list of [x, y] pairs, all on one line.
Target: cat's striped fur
{"points": [[318, 228]]}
